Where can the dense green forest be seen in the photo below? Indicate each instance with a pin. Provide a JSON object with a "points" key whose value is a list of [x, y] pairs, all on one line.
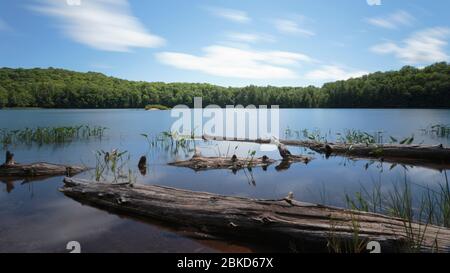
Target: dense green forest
{"points": [[57, 88]]}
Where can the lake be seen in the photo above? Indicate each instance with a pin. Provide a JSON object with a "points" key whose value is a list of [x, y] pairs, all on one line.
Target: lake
{"points": [[36, 217]]}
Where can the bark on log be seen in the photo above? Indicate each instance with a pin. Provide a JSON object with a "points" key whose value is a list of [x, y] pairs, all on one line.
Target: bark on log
{"points": [[39, 169], [435, 157], [12, 169], [302, 226], [199, 163]]}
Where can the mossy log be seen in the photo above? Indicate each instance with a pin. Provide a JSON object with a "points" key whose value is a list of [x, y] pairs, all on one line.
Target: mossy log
{"points": [[13, 169], [295, 225], [430, 156]]}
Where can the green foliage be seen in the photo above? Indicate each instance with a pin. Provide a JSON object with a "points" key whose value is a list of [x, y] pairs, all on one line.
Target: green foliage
{"points": [[58, 88], [3, 97]]}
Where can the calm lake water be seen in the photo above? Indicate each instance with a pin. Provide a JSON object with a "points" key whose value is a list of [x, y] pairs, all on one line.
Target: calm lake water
{"points": [[36, 217]]}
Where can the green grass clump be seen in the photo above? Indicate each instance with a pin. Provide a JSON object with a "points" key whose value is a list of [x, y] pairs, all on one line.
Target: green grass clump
{"points": [[431, 207], [49, 135]]}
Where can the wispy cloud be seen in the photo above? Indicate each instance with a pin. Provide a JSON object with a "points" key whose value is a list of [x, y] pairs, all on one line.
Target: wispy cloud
{"points": [[333, 73], [237, 63], [392, 21], [102, 24], [423, 47], [291, 27], [249, 37], [233, 15], [4, 26]]}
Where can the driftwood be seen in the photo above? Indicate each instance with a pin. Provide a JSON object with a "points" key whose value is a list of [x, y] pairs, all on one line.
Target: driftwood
{"points": [[13, 169], [300, 226], [200, 163], [435, 157]]}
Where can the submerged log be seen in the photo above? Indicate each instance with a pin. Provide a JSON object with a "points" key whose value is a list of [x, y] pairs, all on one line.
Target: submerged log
{"points": [[287, 222], [9, 159], [13, 169], [436, 157], [200, 163], [142, 165]]}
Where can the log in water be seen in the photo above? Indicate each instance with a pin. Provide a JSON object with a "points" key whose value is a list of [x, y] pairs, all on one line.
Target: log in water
{"points": [[13, 169], [199, 163], [436, 157], [286, 222]]}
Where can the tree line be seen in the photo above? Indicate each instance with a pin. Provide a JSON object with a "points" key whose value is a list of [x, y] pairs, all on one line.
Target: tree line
{"points": [[409, 87]]}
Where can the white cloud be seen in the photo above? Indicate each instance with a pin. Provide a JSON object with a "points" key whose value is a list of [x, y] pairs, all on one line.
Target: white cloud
{"points": [[237, 63], [234, 15], [291, 27], [102, 24], [333, 73], [374, 2], [249, 37], [426, 46], [393, 21]]}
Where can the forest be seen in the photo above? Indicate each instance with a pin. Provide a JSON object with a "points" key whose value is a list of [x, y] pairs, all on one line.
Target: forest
{"points": [[410, 87]]}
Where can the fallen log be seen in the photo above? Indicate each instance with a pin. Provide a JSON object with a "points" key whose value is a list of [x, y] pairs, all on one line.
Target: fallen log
{"points": [[200, 163], [435, 157], [301, 226], [13, 169]]}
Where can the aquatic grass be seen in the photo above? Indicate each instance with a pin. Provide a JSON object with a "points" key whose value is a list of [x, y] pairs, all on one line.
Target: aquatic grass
{"points": [[351, 136], [113, 166], [437, 130], [428, 207], [442, 200], [171, 142], [50, 135], [315, 135], [354, 244]]}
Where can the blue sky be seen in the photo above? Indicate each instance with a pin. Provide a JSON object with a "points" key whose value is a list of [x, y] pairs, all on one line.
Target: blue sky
{"points": [[230, 43]]}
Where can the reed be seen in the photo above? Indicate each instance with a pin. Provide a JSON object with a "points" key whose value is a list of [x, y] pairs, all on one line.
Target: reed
{"points": [[50, 135], [429, 207], [437, 130], [114, 167]]}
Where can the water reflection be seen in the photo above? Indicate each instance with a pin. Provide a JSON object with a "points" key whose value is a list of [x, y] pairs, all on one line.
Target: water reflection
{"points": [[10, 181], [47, 220]]}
